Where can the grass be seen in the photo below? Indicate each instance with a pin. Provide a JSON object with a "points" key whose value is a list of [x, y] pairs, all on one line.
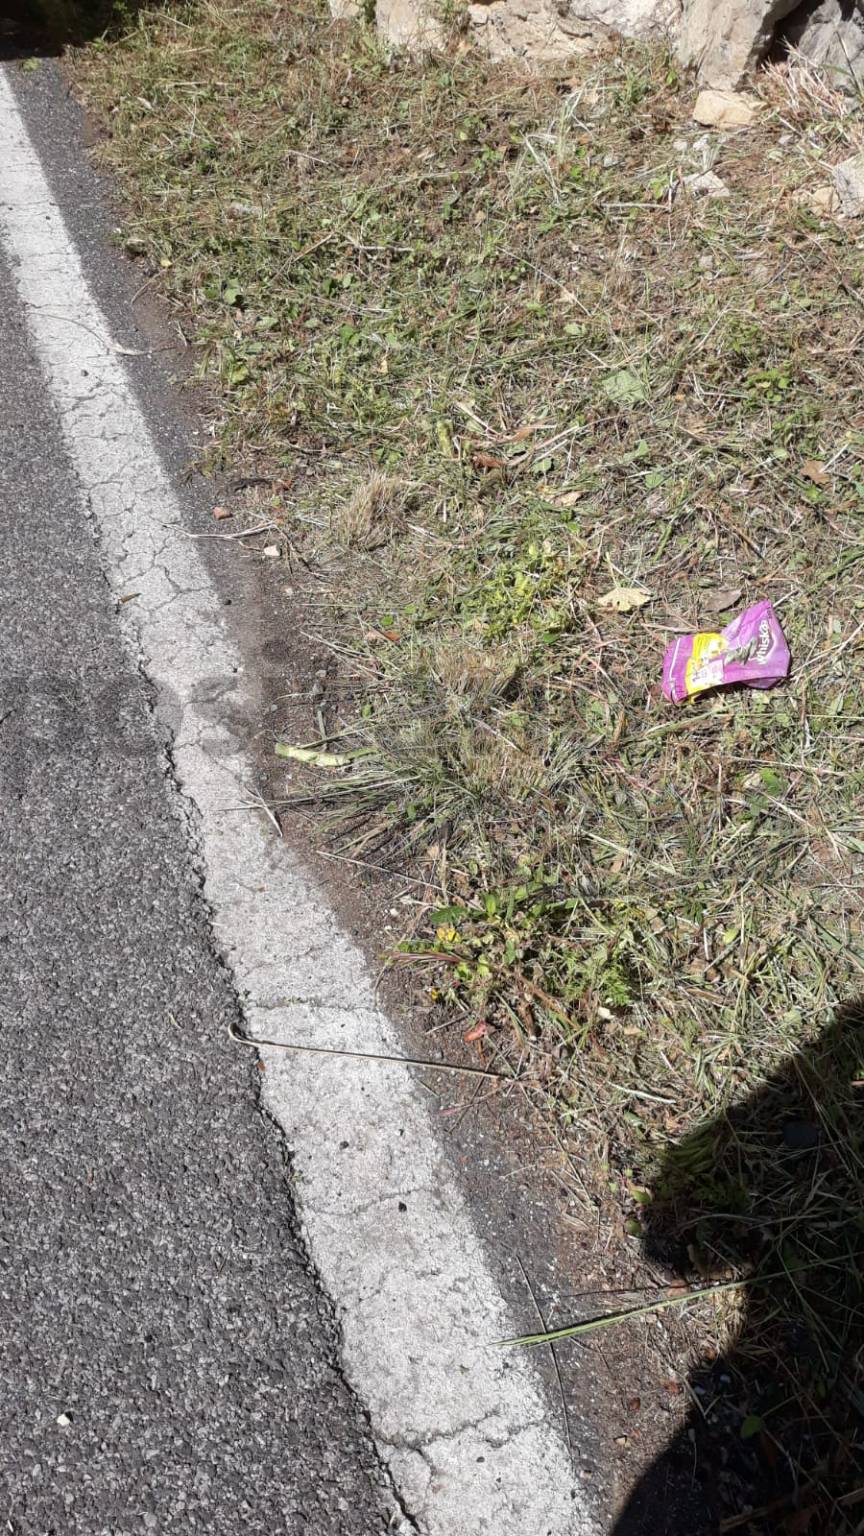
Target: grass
{"points": [[462, 313], [498, 360]]}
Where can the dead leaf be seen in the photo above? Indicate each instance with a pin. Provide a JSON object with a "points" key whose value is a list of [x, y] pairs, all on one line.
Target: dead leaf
{"points": [[220, 513], [719, 598], [564, 498], [383, 634], [814, 469], [624, 599], [697, 426], [476, 1032]]}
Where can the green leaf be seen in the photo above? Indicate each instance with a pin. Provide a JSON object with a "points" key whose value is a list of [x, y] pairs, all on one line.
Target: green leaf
{"points": [[655, 478], [624, 387], [772, 781], [753, 1425], [448, 915]]}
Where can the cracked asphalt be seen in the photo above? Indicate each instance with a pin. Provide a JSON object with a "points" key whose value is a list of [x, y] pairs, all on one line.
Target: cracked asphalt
{"points": [[168, 1361]]}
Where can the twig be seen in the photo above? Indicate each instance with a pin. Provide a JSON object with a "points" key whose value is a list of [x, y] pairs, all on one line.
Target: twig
{"points": [[609, 1319], [381, 869], [333, 1050], [244, 533], [258, 799], [543, 1325]]}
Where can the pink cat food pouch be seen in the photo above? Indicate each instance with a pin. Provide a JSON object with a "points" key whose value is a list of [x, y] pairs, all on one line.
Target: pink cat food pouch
{"points": [[752, 650]]}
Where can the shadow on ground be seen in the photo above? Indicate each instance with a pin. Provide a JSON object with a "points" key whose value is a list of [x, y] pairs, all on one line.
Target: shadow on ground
{"points": [[774, 1442], [48, 26]]}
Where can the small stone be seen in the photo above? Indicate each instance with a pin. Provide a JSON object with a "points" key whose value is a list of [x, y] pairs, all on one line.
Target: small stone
{"points": [[724, 109], [63, 1420], [820, 200], [706, 184], [271, 551], [849, 182], [706, 149]]}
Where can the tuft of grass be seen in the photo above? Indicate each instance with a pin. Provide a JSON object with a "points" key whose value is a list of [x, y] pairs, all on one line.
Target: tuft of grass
{"points": [[372, 514]]}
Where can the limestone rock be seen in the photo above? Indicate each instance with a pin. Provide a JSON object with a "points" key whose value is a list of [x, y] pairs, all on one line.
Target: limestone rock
{"points": [[823, 201], [830, 33], [408, 23], [558, 29], [849, 181], [521, 29], [725, 39], [706, 184], [724, 109]]}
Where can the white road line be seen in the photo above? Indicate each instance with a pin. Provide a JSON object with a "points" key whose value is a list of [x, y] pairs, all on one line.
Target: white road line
{"points": [[464, 1427]]}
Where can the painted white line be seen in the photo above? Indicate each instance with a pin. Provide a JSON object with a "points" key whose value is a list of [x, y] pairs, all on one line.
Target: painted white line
{"points": [[464, 1427]]}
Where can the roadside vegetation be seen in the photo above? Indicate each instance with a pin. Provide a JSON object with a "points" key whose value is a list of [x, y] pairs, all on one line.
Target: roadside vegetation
{"points": [[506, 364], [497, 360]]}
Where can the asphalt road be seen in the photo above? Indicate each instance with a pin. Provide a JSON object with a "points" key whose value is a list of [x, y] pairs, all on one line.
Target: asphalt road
{"points": [[167, 1361]]}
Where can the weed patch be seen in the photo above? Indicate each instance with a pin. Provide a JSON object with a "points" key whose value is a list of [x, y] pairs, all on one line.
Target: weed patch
{"points": [[502, 363], [505, 362]]}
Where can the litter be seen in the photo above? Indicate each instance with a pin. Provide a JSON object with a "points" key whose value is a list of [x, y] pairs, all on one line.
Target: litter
{"points": [[752, 650]]}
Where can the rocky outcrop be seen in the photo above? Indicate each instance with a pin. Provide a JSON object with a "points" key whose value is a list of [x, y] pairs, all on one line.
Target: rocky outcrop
{"points": [[726, 39], [723, 40], [552, 29], [830, 33], [848, 179]]}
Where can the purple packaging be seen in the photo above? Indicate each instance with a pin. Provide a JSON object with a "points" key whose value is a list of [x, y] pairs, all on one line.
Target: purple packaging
{"points": [[752, 650]]}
